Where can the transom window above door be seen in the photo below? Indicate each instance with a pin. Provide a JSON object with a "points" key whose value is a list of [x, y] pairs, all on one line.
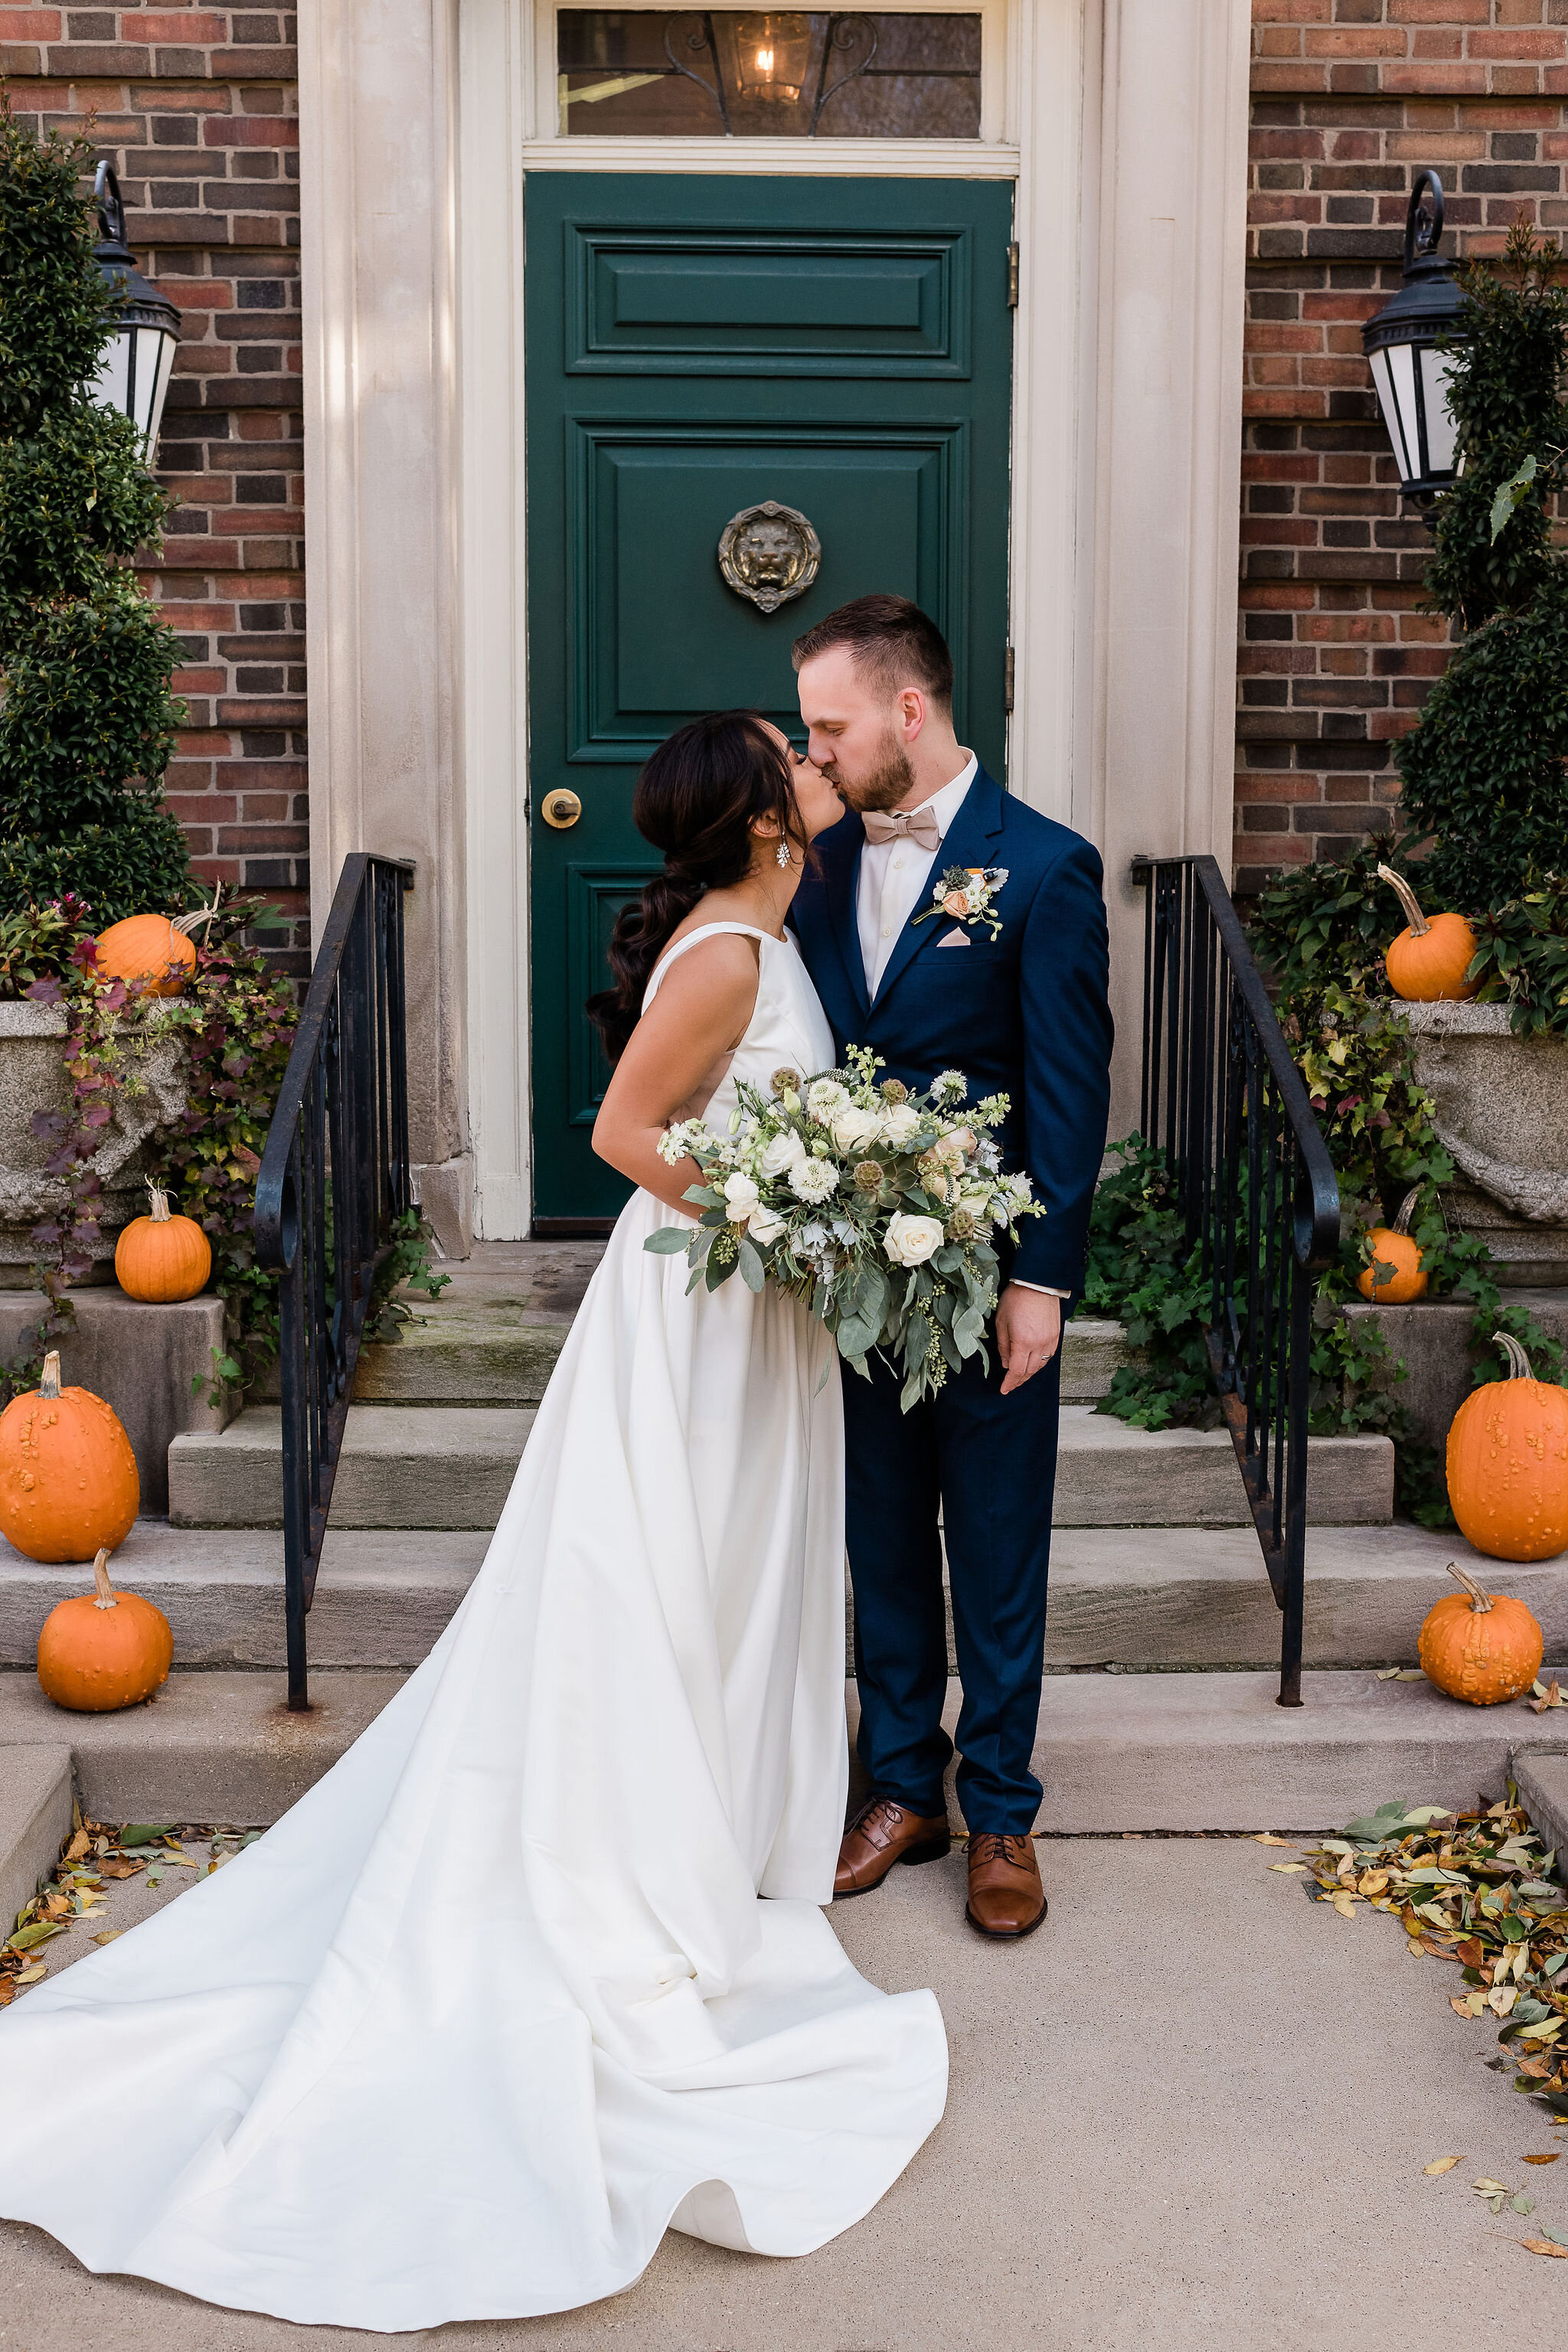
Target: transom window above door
{"points": [[781, 74]]}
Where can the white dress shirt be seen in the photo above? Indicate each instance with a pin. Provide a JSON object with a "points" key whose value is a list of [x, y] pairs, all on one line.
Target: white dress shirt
{"points": [[894, 879]]}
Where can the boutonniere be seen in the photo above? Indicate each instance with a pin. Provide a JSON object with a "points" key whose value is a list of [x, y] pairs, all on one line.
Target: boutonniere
{"points": [[965, 893]]}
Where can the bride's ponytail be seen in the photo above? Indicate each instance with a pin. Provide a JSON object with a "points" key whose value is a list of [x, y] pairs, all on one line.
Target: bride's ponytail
{"points": [[695, 800]]}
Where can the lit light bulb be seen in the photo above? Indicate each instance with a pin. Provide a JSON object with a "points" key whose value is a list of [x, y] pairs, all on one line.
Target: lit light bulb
{"points": [[764, 62]]}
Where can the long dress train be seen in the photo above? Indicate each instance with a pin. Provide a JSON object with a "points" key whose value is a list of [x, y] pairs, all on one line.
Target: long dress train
{"points": [[498, 2001]]}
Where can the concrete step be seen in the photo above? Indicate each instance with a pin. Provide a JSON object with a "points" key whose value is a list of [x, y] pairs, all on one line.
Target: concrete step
{"points": [[1115, 1752], [34, 1819], [440, 1466], [451, 1466], [487, 1343], [1167, 1597]]}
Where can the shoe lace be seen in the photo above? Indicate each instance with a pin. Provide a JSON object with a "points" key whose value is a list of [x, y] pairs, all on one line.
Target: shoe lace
{"points": [[993, 1845], [877, 1813]]}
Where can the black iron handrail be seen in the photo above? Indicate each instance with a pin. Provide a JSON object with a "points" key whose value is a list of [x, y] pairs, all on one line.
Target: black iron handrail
{"points": [[335, 1175], [1253, 1177]]}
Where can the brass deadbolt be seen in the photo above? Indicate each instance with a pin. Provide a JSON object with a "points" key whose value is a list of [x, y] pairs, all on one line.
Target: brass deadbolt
{"points": [[561, 809]]}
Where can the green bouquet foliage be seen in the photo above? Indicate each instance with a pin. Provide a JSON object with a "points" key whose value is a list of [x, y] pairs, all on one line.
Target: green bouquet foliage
{"points": [[88, 718]]}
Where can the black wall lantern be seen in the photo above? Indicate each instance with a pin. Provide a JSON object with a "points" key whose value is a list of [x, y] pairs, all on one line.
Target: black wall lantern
{"points": [[1402, 347], [134, 374]]}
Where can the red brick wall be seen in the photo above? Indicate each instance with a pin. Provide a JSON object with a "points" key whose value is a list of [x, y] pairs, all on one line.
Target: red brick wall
{"points": [[1351, 98], [195, 108]]}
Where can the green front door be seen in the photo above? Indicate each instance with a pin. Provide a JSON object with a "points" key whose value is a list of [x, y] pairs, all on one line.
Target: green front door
{"points": [[697, 347]]}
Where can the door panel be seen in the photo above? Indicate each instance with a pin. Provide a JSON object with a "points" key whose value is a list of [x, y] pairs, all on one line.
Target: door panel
{"points": [[695, 346], [793, 305]]}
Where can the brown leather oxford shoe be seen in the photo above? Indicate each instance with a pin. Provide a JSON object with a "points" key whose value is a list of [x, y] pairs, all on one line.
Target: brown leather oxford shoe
{"points": [[1006, 1897], [881, 1833]]}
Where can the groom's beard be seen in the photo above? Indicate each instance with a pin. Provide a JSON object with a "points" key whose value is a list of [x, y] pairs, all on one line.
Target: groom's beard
{"points": [[887, 782]]}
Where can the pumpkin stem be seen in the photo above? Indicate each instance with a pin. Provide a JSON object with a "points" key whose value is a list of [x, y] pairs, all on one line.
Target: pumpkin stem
{"points": [[106, 1598], [1480, 1598], [189, 922], [1418, 921], [1402, 1220], [161, 1203], [1517, 1362], [50, 1385]]}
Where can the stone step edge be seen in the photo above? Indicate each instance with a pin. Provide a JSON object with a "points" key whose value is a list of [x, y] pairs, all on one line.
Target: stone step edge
{"points": [[1115, 1753]]}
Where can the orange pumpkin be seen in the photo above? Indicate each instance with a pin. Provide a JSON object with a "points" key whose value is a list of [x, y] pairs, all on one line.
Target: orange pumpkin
{"points": [[67, 1475], [1508, 1463], [104, 1649], [155, 948], [159, 1257], [1479, 1645], [1427, 962], [1392, 1248]]}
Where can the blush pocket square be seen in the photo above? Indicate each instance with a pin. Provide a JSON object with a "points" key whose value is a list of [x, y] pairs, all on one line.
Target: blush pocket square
{"points": [[957, 937]]}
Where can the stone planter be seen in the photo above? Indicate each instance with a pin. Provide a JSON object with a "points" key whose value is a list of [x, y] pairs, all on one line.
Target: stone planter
{"points": [[33, 1078], [1500, 1109]]}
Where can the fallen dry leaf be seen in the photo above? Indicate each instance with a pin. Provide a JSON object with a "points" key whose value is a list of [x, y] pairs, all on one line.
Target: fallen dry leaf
{"points": [[1546, 1694], [1545, 2246], [1292, 1869], [1446, 2164], [107, 1935], [1552, 2159], [1268, 1839], [120, 1869], [78, 1846], [31, 1975]]}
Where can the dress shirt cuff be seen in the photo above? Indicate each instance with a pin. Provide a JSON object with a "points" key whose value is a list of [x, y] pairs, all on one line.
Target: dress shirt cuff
{"points": [[1045, 1286]]}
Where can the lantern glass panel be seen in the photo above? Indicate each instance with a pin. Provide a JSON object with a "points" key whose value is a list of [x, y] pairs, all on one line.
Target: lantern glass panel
{"points": [[133, 377], [1442, 433]]}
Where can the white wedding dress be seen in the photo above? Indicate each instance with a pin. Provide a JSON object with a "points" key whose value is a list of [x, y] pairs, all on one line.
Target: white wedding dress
{"points": [[497, 2001]]}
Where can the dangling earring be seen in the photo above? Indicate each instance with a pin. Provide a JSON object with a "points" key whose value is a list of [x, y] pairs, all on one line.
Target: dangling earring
{"points": [[781, 855]]}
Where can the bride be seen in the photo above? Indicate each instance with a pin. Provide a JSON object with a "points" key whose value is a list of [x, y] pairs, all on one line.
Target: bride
{"points": [[537, 1969]]}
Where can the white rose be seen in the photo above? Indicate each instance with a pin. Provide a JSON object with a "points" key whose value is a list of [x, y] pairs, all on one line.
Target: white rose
{"points": [[825, 1097], [899, 1125], [783, 1152], [911, 1240], [977, 1204], [853, 1129], [812, 1180], [741, 1194], [764, 1226]]}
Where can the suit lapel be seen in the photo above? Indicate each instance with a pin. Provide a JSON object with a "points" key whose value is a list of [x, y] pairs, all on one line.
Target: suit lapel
{"points": [[842, 876], [970, 841]]}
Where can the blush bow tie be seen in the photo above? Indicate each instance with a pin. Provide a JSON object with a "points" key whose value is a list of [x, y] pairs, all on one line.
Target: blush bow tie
{"points": [[916, 824]]}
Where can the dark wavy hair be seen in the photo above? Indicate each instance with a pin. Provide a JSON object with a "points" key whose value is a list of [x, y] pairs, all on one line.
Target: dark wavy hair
{"points": [[695, 800]]}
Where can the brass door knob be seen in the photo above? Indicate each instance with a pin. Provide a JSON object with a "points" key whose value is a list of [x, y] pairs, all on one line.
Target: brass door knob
{"points": [[561, 809]]}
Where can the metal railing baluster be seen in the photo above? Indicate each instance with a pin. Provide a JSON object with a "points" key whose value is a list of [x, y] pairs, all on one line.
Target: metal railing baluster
{"points": [[1252, 1176], [337, 1152]]}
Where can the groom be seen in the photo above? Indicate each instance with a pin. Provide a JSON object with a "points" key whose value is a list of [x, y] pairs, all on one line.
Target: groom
{"points": [[1023, 1013]]}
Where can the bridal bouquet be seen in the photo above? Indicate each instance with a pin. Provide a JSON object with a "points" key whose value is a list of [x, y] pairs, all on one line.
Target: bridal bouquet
{"points": [[874, 1203]]}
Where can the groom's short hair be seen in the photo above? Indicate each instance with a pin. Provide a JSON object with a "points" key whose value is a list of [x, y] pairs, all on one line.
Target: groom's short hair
{"points": [[890, 639]]}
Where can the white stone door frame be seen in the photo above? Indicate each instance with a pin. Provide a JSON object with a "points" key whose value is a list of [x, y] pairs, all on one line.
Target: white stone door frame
{"points": [[1125, 123]]}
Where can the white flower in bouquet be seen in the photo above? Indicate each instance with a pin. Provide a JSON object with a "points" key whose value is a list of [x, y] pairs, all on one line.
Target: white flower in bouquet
{"points": [[978, 1204], [911, 1240], [900, 1125], [742, 1196], [1019, 1192], [950, 1086], [853, 1129], [781, 1152], [764, 1225], [811, 1179], [825, 1097]]}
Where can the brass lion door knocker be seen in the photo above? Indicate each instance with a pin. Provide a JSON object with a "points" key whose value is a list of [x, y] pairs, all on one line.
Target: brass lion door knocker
{"points": [[769, 553]]}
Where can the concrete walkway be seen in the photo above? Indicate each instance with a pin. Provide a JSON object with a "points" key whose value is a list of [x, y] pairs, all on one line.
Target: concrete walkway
{"points": [[1192, 2112]]}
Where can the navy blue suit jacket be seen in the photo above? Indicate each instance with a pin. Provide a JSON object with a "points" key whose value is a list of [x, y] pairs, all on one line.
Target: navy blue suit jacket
{"points": [[1026, 1015]]}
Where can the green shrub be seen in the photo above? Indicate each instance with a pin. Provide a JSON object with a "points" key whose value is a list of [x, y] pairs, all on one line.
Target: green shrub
{"points": [[88, 718]]}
